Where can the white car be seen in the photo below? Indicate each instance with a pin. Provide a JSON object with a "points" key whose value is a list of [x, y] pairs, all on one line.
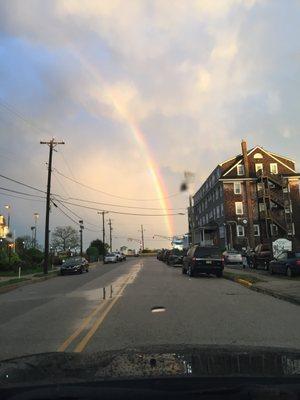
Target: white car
{"points": [[232, 257], [111, 258]]}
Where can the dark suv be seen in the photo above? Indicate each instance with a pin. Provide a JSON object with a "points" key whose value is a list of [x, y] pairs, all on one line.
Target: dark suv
{"points": [[261, 256], [208, 260]]}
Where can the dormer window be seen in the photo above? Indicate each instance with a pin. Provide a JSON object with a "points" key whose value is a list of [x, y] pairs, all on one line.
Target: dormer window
{"points": [[240, 170]]}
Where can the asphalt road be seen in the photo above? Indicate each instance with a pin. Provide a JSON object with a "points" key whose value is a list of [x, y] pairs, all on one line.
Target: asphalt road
{"points": [[69, 313]]}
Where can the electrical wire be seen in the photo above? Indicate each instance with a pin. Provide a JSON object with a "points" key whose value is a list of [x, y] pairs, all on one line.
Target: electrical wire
{"points": [[110, 194], [121, 213], [20, 197], [21, 183], [23, 193]]}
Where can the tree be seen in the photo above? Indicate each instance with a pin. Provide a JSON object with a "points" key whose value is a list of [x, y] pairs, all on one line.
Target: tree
{"points": [[65, 237], [99, 245], [92, 254], [22, 243]]}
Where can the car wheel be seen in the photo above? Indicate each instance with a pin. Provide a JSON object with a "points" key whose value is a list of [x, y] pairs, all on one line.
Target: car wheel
{"points": [[81, 271], [62, 273], [183, 270], [190, 272], [87, 270], [219, 274], [271, 270], [266, 266], [289, 272]]}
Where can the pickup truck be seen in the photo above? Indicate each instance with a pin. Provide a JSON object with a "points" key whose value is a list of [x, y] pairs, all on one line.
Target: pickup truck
{"points": [[207, 260], [261, 256]]}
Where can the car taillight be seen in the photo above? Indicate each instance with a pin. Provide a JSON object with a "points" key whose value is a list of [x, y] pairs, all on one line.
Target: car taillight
{"points": [[223, 260], [194, 259], [297, 262]]}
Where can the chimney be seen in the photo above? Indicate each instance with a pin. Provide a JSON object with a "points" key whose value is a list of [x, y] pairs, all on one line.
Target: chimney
{"points": [[250, 230], [245, 158]]}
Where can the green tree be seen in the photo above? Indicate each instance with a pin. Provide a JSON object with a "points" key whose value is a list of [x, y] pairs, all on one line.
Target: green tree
{"points": [[92, 254], [99, 245], [23, 243], [65, 237]]}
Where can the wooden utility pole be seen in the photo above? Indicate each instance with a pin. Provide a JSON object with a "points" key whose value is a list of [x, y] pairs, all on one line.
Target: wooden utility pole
{"points": [[52, 143], [81, 240], [142, 232], [103, 229], [110, 235]]}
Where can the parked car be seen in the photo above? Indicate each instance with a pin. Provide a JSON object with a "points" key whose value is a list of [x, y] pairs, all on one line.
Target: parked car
{"points": [[166, 256], [261, 256], [176, 257], [287, 263], [110, 258], [208, 260], [120, 256], [232, 257], [74, 265]]}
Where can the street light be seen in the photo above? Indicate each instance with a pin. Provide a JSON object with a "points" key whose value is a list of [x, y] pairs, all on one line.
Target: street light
{"points": [[36, 217], [8, 207]]}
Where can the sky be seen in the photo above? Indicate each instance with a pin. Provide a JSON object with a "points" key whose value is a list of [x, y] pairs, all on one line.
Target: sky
{"points": [[140, 91]]}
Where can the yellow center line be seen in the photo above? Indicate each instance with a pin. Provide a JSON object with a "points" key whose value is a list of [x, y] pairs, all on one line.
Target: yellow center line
{"points": [[88, 319], [83, 343]]}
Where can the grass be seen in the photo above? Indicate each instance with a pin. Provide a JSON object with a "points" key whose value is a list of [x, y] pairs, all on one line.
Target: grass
{"points": [[26, 271], [12, 281], [249, 278], [39, 275]]}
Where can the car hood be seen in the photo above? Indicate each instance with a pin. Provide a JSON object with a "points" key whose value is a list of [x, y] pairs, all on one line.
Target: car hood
{"points": [[150, 362]]}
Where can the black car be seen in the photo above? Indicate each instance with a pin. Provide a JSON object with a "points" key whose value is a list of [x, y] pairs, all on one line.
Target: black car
{"points": [[74, 265], [208, 260], [287, 263], [176, 257]]}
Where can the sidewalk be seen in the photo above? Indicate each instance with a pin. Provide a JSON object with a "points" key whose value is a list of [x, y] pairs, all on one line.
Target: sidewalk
{"points": [[8, 283], [278, 286]]}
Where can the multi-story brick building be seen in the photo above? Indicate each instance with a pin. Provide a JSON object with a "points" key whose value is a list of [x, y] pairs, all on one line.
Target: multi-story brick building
{"points": [[249, 199]]}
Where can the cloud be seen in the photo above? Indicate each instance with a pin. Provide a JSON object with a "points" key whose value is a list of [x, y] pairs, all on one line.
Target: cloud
{"points": [[194, 78]]}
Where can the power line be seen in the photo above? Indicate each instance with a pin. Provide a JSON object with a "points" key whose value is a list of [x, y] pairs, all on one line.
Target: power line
{"points": [[110, 194], [76, 215], [122, 206], [23, 193], [121, 213], [68, 216], [23, 184], [20, 197]]}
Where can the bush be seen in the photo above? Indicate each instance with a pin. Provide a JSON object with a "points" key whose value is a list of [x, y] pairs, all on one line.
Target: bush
{"points": [[33, 256], [92, 254]]}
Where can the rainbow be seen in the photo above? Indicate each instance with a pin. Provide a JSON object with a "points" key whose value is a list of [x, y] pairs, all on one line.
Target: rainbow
{"points": [[159, 184]]}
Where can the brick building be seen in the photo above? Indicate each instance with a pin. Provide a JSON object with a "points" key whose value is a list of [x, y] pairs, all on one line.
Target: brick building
{"points": [[249, 199]]}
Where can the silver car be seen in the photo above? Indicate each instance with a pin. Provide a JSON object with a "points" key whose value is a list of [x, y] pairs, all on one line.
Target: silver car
{"points": [[110, 258], [232, 257]]}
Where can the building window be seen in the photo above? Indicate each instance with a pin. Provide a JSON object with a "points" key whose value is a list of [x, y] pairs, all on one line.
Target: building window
{"points": [[237, 188], [256, 230], [274, 168], [258, 155], [262, 207], [259, 167], [239, 208], [240, 169], [274, 230], [240, 230]]}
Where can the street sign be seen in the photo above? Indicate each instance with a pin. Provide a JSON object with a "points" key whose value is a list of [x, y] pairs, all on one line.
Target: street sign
{"points": [[281, 245]]}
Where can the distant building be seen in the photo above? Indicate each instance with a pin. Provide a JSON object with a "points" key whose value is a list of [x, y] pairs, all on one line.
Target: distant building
{"points": [[3, 227], [249, 199]]}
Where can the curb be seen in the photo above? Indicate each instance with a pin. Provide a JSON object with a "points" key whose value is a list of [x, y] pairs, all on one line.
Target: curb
{"points": [[258, 289], [8, 288]]}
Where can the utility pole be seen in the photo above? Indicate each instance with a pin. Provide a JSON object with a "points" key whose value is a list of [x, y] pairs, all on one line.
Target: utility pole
{"points": [[36, 217], [103, 230], [52, 144], [81, 231], [142, 232], [110, 236]]}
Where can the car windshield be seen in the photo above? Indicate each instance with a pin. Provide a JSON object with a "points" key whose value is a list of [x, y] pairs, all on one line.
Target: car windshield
{"points": [[72, 261], [149, 183], [204, 252]]}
